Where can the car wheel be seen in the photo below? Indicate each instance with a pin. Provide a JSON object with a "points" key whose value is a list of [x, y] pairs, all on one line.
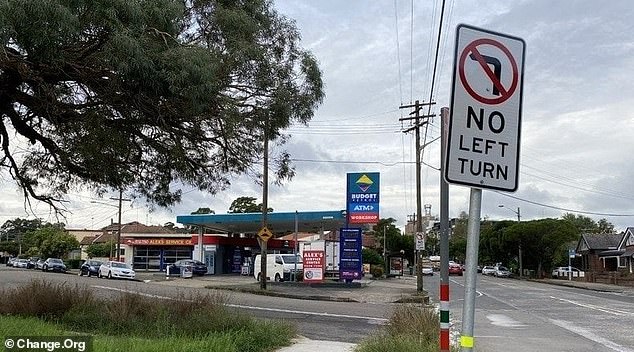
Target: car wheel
{"points": [[278, 278], [44, 268], [259, 277], [99, 274], [80, 273], [109, 275], [88, 273]]}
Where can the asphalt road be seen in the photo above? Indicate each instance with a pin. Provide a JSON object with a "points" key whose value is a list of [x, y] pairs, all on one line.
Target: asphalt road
{"points": [[526, 316]]}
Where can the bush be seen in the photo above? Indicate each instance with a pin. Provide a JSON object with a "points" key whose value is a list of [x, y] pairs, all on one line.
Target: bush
{"points": [[377, 271], [73, 263], [410, 328], [40, 298], [370, 256]]}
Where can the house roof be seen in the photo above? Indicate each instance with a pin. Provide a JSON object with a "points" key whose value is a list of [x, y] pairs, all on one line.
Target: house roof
{"points": [[599, 241], [87, 240], [137, 227]]}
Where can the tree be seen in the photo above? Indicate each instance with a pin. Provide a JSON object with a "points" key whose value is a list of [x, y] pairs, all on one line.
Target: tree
{"points": [[582, 223], [247, 205], [203, 211], [144, 95], [370, 256], [16, 229], [51, 241], [604, 226], [100, 249]]}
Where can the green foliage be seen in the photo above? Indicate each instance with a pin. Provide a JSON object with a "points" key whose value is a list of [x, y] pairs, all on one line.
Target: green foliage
{"points": [[203, 211], [377, 271], [246, 205], [140, 95], [73, 263], [100, 250], [410, 329], [16, 229], [53, 242], [131, 322], [370, 256]]}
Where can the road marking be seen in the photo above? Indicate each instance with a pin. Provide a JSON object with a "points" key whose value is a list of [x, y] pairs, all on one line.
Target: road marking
{"points": [[592, 306], [370, 320], [590, 336], [504, 321]]}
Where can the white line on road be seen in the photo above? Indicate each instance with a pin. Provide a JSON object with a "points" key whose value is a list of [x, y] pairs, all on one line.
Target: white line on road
{"points": [[592, 306], [371, 320], [590, 336]]}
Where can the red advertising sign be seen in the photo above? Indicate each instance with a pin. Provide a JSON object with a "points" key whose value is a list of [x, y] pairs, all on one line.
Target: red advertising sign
{"points": [[314, 266]]}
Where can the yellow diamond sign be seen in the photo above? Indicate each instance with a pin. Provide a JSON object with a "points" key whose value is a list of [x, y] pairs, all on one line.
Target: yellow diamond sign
{"points": [[265, 234]]}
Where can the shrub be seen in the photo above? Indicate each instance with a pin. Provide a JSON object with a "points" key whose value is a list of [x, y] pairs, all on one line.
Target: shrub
{"points": [[43, 299], [73, 263], [377, 271]]}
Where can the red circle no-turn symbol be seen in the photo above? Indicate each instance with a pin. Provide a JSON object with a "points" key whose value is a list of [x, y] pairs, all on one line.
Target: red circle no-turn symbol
{"points": [[492, 66]]}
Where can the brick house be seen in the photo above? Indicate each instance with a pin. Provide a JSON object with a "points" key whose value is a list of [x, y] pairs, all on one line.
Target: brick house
{"points": [[599, 251]]}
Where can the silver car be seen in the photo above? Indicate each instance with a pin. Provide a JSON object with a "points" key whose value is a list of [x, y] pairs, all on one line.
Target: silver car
{"points": [[501, 271]]}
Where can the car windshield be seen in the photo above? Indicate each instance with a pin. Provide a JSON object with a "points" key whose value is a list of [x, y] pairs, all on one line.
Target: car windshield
{"points": [[94, 263], [290, 259], [119, 265], [55, 261], [501, 268]]}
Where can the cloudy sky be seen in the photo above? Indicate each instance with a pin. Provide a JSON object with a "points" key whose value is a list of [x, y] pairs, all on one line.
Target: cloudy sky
{"points": [[576, 150]]}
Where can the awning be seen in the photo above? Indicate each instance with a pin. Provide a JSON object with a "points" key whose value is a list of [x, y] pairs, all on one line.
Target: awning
{"points": [[611, 253], [628, 253]]}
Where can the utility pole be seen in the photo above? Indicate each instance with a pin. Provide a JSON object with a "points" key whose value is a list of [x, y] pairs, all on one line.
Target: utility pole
{"points": [[419, 211], [120, 199], [265, 205], [519, 219]]}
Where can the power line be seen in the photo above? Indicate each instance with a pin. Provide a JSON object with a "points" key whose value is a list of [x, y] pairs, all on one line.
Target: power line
{"points": [[560, 208], [398, 53]]}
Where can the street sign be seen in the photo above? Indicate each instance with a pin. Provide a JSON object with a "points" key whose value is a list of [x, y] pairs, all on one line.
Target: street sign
{"points": [[571, 253], [485, 116], [265, 234], [420, 241]]}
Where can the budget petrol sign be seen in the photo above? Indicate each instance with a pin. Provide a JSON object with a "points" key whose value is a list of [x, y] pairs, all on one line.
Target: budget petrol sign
{"points": [[485, 114], [363, 198]]}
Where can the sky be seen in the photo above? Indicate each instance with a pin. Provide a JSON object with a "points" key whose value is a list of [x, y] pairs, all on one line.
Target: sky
{"points": [[576, 151]]}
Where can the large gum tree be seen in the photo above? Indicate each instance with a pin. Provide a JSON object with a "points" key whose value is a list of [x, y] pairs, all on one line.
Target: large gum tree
{"points": [[142, 95]]}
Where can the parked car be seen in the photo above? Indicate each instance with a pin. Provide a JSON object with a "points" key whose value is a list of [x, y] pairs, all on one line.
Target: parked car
{"points": [[427, 271], [20, 263], [11, 260], [90, 267], [488, 270], [31, 263], [479, 269], [562, 272], [455, 269], [54, 264], [198, 267], [501, 271], [39, 264], [116, 270]]}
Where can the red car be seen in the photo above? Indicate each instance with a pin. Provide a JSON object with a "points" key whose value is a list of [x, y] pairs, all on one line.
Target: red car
{"points": [[455, 269]]}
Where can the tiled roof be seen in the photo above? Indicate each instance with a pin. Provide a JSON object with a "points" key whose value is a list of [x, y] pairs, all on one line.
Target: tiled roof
{"points": [[603, 241]]}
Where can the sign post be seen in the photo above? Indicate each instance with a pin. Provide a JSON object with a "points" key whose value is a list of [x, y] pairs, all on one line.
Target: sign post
{"points": [[484, 133]]}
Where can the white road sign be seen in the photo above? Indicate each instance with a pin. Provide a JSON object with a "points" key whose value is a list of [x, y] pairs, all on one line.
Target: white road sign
{"points": [[485, 114]]}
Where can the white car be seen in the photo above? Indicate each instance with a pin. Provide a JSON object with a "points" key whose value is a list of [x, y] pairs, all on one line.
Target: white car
{"points": [[20, 263], [562, 272], [428, 271], [501, 271], [488, 270], [116, 270]]}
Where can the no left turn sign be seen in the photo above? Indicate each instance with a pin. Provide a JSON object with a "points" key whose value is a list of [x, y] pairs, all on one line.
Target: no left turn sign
{"points": [[485, 113]]}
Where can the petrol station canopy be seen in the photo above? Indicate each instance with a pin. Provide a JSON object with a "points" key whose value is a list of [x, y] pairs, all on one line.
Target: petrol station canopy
{"points": [[278, 222]]}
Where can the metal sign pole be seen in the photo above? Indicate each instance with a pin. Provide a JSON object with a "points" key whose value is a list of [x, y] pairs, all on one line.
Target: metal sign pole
{"points": [[444, 238], [473, 240]]}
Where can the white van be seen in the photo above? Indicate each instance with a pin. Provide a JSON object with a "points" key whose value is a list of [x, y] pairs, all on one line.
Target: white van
{"points": [[278, 266]]}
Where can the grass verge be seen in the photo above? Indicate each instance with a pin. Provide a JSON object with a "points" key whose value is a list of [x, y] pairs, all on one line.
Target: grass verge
{"points": [[410, 329], [130, 322]]}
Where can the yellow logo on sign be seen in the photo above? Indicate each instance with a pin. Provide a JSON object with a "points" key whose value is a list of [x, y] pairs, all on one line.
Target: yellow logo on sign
{"points": [[265, 234]]}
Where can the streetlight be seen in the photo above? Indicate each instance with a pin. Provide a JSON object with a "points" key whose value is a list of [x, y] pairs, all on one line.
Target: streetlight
{"points": [[520, 244]]}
